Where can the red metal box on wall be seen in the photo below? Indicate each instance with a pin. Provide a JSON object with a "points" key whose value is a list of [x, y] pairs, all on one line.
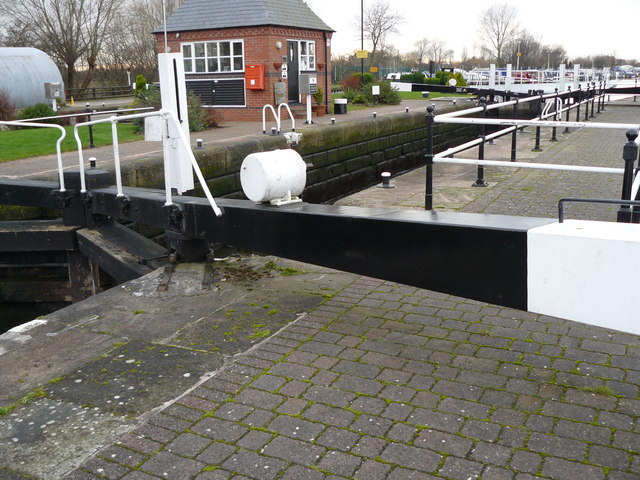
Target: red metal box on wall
{"points": [[255, 77]]}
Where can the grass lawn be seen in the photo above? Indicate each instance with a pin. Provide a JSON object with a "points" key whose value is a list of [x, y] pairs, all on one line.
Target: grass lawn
{"points": [[33, 142], [404, 96]]}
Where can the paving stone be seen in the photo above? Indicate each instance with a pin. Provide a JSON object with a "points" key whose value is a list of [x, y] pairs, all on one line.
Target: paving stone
{"points": [[324, 377], [400, 473], [443, 442], [464, 408], [401, 433], [615, 420], [254, 440], [217, 429], [172, 467], [481, 430], [293, 388], [604, 347], [338, 439], [321, 348], [627, 441], [98, 466], [397, 411], [445, 422], [372, 470], [381, 346], [488, 453], [523, 461], [560, 469], [122, 456], [514, 437], [411, 457], [188, 445], [258, 398], [340, 463], [582, 431], [397, 394], [232, 411], [508, 417], [184, 413], [216, 453], [325, 414], [358, 384], [372, 405], [394, 376], [268, 382], [197, 403], [565, 410], [369, 447], [139, 443], [297, 472], [540, 423], [254, 466], [295, 451], [296, 428], [491, 472], [455, 389], [329, 396], [259, 418], [371, 425], [552, 445], [528, 403], [609, 457], [460, 469], [169, 422], [292, 371], [292, 406]]}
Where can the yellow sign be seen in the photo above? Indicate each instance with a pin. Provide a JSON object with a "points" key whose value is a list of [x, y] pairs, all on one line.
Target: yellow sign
{"points": [[362, 54], [373, 69], [519, 54]]}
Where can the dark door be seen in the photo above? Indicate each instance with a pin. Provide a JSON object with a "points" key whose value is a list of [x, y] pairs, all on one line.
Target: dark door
{"points": [[293, 68]]}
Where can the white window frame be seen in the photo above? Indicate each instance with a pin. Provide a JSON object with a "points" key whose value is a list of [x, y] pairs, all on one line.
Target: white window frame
{"points": [[191, 62], [307, 61]]}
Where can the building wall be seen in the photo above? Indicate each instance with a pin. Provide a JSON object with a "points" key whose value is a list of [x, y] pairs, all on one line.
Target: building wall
{"points": [[260, 47]]}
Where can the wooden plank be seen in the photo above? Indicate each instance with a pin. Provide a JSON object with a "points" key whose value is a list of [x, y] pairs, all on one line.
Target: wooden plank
{"points": [[36, 236]]}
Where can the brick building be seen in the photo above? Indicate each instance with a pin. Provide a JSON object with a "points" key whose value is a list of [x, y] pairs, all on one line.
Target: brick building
{"points": [[242, 54]]}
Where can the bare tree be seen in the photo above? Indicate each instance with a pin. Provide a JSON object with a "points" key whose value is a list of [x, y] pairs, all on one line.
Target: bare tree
{"points": [[421, 53], [438, 52], [498, 27], [379, 22]]}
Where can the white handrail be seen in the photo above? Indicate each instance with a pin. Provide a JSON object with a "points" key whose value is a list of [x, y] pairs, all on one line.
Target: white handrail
{"points": [[538, 166], [58, 149], [293, 120], [264, 118]]}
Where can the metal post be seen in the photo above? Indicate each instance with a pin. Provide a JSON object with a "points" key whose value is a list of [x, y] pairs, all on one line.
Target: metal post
{"points": [[480, 180], [599, 95], [555, 117], [428, 196], [88, 108], [603, 89], [537, 146], [586, 105], [593, 98], [492, 99], [566, 129], [629, 155], [514, 135], [579, 99]]}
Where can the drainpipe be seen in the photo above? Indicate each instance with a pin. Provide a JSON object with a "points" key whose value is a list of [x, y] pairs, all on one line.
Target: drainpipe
{"points": [[326, 73]]}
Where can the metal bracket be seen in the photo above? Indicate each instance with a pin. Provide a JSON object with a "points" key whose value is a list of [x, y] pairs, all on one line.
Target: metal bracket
{"points": [[63, 197], [175, 217]]}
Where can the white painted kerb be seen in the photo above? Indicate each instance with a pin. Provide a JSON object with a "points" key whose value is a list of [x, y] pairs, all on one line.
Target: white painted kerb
{"points": [[586, 271]]}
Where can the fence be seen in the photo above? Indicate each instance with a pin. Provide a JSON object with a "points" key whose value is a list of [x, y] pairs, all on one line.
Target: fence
{"points": [[95, 93]]}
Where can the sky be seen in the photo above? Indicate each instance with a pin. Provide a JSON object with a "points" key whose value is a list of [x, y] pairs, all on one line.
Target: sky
{"points": [[583, 28]]}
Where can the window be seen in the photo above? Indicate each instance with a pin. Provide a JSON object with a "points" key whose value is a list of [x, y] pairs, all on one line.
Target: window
{"points": [[213, 57], [307, 55]]}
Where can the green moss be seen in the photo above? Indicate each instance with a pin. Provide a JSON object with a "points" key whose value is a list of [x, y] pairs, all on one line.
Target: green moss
{"points": [[138, 312], [260, 334], [37, 393], [273, 312]]}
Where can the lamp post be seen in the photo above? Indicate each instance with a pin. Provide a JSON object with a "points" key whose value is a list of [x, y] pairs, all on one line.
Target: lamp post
{"points": [[362, 38]]}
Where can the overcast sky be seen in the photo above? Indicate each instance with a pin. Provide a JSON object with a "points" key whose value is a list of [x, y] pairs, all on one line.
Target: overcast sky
{"points": [[581, 27]]}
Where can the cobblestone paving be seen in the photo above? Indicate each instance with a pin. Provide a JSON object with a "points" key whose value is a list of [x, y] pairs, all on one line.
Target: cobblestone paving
{"points": [[385, 381]]}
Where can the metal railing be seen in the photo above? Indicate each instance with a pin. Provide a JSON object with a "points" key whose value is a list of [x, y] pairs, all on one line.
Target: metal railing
{"points": [[95, 93], [561, 104]]}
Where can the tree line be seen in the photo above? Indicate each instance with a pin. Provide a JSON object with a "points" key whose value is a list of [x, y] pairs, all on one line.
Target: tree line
{"points": [[101, 40]]}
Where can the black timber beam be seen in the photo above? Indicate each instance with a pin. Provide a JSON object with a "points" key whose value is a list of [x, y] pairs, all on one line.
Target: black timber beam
{"points": [[482, 257], [36, 236], [119, 251], [32, 193]]}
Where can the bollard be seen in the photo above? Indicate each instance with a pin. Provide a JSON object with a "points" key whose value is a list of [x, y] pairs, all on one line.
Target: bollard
{"points": [[629, 155], [555, 117], [92, 162], [386, 177], [199, 143], [333, 121], [375, 114], [274, 131], [406, 109], [480, 180], [537, 148], [428, 195]]}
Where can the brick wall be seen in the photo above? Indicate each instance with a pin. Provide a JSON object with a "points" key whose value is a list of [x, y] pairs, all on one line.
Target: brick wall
{"points": [[259, 48]]}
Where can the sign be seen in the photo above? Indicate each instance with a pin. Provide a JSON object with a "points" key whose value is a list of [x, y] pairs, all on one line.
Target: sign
{"points": [[519, 54], [362, 54], [373, 69], [375, 90]]}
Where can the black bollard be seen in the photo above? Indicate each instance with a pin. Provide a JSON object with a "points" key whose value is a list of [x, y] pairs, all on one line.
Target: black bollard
{"points": [[629, 155], [480, 180], [428, 195]]}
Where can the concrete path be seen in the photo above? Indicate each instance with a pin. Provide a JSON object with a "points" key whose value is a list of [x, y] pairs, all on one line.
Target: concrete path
{"points": [[373, 380]]}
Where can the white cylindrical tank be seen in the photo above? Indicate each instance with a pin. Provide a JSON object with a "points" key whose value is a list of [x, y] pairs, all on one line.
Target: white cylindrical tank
{"points": [[23, 73], [268, 176]]}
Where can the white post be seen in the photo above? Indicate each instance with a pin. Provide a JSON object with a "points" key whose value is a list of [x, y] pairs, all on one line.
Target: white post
{"points": [[561, 73], [576, 76], [508, 80], [173, 92], [492, 75], [309, 120]]}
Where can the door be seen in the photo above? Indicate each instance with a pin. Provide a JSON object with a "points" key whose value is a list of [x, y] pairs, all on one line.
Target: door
{"points": [[293, 67]]}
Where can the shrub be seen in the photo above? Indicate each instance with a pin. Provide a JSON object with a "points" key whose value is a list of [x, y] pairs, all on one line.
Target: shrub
{"points": [[141, 85], [388, 94], [7, 107], [415, 77], [38, 110], [368, 78], [351, 82], [318, 97]]}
